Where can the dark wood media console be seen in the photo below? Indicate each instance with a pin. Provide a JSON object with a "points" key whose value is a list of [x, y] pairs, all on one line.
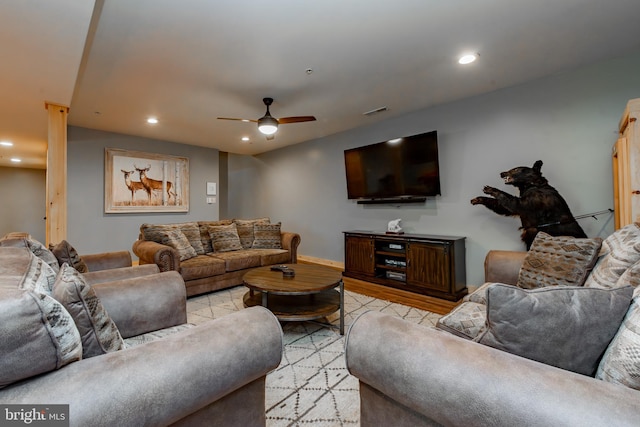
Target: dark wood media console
{"points": [[421, 263]]}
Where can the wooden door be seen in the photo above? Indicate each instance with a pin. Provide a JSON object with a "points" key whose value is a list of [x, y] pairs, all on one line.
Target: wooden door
{"points": [[428, 265], [358, 253]]}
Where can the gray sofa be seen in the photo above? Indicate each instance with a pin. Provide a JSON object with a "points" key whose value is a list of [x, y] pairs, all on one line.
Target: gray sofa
{"points": [[205, 269], [169, 373], [411, 375]]}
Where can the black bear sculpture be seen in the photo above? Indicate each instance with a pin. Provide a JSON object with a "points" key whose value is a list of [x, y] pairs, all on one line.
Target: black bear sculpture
{"points": [[540, 206]]}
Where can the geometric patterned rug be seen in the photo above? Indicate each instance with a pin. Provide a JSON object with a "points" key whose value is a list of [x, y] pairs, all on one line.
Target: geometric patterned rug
{"points": [[311, 387]]}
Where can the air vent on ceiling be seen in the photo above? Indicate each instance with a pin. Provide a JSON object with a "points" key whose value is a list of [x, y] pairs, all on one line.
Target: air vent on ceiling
{"points": [[375, 111]]}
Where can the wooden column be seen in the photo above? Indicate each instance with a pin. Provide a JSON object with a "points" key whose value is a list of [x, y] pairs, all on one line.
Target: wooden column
{"points": [[56, 173]]}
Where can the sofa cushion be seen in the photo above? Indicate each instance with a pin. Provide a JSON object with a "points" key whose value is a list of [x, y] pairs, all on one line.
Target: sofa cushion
{"points": [[98, 332], [466, 320], [621, 362], [202, 266], [36, 248], [64, 252], [568, 327], [156, 335], [619, 251], [178, 241], [558, 261], [205, 238], [267, 236], [479, 295], [224, 238], [238, 260], [273, 256], [245, 230], [37, 335]]}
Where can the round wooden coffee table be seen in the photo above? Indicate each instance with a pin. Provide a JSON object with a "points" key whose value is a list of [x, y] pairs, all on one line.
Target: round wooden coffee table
{"points": [[309, 295]]}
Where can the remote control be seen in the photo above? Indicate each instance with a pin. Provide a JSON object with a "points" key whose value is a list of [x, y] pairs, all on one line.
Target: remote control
{"points": [[279, 268]]}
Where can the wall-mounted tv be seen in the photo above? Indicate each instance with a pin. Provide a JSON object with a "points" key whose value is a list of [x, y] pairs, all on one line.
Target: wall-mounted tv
{"points": [[398, 169]]}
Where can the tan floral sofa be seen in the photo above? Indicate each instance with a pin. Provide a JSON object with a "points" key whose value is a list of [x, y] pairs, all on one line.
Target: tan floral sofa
{"points": [[213, 255]]}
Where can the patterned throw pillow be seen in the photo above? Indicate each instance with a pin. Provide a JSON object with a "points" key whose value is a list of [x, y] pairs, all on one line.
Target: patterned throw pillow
{"points": [[192, 233], [39, 276], [64, 252], [178, 241], [619, 251], [36, 248], [245, 230], [558, 261], [205, 238], [99, 333], [224, 238], [621, 362], [267, 236], [568, 327]]}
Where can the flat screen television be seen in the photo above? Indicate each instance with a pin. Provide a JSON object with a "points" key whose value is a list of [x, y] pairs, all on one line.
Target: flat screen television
{"points": [[402, 168]]}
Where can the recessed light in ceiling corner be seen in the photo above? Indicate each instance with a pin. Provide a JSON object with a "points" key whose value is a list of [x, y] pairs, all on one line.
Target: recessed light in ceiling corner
{"points": [[15, 160], [152, 120], [245, 138], [6, 143], [374, 111], [468, 58]]}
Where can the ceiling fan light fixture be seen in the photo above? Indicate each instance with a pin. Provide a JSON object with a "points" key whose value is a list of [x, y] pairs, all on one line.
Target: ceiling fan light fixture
{"points": [[267, 125]]}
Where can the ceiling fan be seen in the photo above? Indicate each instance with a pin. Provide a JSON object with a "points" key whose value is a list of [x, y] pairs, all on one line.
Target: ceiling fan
{"points": [[267, 124]]}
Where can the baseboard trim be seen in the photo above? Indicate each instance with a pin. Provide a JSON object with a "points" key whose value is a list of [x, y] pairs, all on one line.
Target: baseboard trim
{"points": [[305, 259]]}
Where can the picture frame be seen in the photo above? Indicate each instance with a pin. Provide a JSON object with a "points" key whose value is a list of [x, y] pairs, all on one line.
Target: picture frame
{"points": [[138, 182]]}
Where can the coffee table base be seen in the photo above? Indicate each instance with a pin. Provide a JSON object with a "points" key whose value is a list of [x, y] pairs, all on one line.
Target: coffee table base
{"points": [[299, 308]]}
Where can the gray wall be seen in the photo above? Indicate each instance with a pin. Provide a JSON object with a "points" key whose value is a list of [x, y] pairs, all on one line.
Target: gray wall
{"points": [[569, 121], [23, 206], [90, 230]]}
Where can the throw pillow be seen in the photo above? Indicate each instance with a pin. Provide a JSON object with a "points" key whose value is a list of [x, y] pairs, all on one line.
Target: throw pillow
{"points": [[39, 276], [619, 251], [36, 248], [224, 238], [621, 362], [64, 252], [178, 241], [192, 233], [98, 332], [205, 238], [568, 327], [37, 335], [558, 261], [267, 236], [245, 230]]}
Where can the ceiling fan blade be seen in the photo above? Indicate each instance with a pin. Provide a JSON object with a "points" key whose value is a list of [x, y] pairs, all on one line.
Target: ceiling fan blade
{"points": [[297, 119], [240, 120]]}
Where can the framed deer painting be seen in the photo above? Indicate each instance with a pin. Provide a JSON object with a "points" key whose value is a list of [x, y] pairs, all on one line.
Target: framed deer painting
{"points": [[145, 182]]}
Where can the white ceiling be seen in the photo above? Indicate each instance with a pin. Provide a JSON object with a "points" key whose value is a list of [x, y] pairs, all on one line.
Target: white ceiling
{"points": [[115, 62]]}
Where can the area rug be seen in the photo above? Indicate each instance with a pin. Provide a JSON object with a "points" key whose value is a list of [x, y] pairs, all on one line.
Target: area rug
{"points": [[311, 387]]}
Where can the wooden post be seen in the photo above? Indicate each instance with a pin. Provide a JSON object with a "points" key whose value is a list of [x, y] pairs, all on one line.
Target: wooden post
{"points": [[56, 211]]}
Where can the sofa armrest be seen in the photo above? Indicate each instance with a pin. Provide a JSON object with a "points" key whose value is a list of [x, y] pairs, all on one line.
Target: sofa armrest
{"points": [[503, 266], [457, 382], [290, 242], [144, 304], [165, 257], [107, 260], [163, 381], [95, 277]]}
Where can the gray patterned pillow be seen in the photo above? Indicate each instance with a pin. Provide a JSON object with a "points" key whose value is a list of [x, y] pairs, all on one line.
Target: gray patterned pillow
{"points": [[245, 230], [267, 236], [205, 238], [568, 327], [621, 362], [192, 233], [619, 251], [36, 248], [64, 252], [39, 276], [558, 261], [99, 333], [224, 238], [178, 241]]}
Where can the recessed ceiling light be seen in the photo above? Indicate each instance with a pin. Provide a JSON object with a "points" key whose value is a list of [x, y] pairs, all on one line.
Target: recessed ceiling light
{"points": [[6, 143], [152, 120], [394, 141], [468, 58], [245, 138], [245, 120], [15, 160]]}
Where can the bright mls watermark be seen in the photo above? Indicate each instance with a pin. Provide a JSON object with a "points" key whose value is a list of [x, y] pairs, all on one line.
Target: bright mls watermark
{"points": [[34, 415]]}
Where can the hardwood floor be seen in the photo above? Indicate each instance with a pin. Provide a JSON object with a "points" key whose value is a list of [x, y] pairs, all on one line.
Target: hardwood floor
{"points": [[423, 302]]}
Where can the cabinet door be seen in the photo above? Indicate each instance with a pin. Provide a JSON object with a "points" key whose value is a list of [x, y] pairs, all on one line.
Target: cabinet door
{"points": [[359, 255], [428, 265]]}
